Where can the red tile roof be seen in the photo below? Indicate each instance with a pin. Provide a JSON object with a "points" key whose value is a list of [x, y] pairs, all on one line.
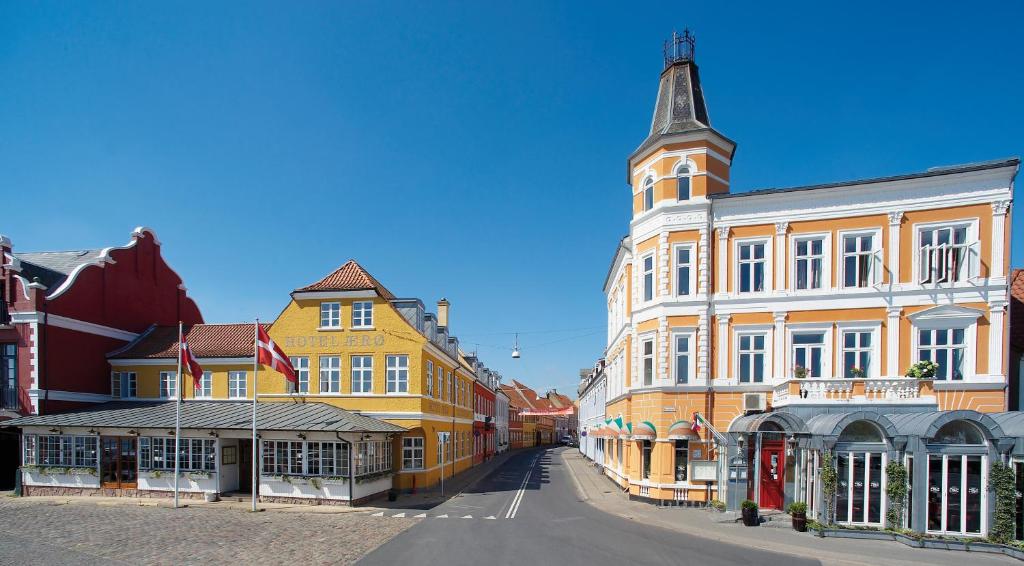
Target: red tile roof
{"points": [[1017, 309], [349, 277], [206, 340]]}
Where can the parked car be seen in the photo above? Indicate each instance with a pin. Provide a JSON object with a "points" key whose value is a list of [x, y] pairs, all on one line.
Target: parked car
{"points": [[568, 440]]}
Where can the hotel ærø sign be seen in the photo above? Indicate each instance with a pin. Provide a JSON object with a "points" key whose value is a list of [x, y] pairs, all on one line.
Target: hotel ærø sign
{"points": [[334, 341]]}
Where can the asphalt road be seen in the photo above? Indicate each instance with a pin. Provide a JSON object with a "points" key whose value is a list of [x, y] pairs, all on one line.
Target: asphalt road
{"points": [[527, 512]]}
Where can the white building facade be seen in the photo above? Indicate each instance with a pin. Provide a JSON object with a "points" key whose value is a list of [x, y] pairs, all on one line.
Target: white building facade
{"points": [[500, 421], [593, 395]]}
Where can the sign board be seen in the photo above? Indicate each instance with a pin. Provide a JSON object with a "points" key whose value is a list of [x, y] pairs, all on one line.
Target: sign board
{"points": [[703, 470]]}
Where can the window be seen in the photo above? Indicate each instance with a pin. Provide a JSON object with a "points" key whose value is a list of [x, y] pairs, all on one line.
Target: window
{"points": [[648, 363], [682, 459], [288, 458], [237, 385], [859, 487], [645, 462], [752, 267], [808, 354], [412, 453], [955, 493], [9, 371], [374, 457], [440, 452], [451, 387], [440, 383], [810, 259], [330, 374], [945, 254], [362, 314], [398, 374], [123, 384], [648, 194], [648, 275], [751, 358], [430, 378], [301, 365], [330, 315], [362, 374], [54, 450], [856, 353], [196, 455], [168, 384], [683, 183], [205, 388], [684, 267], [858, 260], [682, 344], [945, 347], [958, 432]]}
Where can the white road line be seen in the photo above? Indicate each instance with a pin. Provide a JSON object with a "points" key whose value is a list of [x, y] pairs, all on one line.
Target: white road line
{"points": [[467, 516], [381, 514], [445, 516], [491, 517], [518, 499], [399, 515], [420, 516]]}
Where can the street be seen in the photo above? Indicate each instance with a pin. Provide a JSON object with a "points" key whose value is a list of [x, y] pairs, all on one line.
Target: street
{"points": [[528, 512]]}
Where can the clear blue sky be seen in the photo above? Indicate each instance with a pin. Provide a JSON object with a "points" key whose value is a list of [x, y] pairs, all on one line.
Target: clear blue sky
{"points": [[458, 150]]}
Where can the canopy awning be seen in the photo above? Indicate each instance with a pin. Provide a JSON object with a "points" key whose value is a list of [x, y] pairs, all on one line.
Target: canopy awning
{"points": [[682, 430], [645, 430]]}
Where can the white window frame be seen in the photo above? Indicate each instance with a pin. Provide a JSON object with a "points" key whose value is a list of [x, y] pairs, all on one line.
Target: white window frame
{"points": [[168, 385], [647, 185], [877, 263], [691, 289], [118, 391], [645, 339], [644, 272], [983, 531], [884, 479], [826, 260], [301, 365], [329, 370], [205, 389], [413, 451], [397, 368], [945, 318], [691, 362], [828, 348], [875, 328], [362, 370], [238, 385], [677, 174], [769, 261], [430, 378], [333, 319], [973, 246], [752, 330], [362, 315]]}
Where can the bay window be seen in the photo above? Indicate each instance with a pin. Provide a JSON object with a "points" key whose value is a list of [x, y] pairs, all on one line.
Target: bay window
{"points": [[59, 450], [297, 458]]}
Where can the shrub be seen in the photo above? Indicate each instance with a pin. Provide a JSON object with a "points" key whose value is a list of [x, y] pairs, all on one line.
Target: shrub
{"points": [[924, 369], [748, 504], [1001, 480], [717, 505], [896, 489], [797, 508], [828, 484]]}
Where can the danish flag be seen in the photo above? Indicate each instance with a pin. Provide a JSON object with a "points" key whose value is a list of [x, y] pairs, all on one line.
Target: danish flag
{"points": [[269, 354], [189, 362], [697, 426]]}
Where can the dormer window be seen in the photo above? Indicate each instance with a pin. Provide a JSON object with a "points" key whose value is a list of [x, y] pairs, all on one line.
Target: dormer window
{"points": [[683, 183], [649, 194]]}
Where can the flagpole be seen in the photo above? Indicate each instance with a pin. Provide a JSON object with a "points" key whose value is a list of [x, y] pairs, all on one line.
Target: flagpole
{"points": [[255, 377], [177, 421]]}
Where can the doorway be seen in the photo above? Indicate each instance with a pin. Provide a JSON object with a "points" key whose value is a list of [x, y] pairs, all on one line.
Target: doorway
{"points": [[245, 465], [773, 473], [119, 462]]}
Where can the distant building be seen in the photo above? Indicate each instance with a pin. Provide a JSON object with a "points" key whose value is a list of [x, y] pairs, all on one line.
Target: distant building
{"points": [[592, 398]]}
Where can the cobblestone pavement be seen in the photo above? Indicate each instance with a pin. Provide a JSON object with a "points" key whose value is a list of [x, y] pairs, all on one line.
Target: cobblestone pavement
{"points": [[83, 533]]}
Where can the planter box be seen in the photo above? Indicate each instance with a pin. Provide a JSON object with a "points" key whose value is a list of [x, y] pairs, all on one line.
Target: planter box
{"points": [[909, 541], [851, 533]]}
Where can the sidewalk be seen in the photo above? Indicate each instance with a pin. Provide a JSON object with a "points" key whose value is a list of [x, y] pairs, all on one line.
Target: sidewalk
{"points": [[600, 492]]}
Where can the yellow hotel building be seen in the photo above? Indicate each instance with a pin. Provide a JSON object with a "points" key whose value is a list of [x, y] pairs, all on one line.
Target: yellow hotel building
{"points": [[788, 319], [384, 396]]}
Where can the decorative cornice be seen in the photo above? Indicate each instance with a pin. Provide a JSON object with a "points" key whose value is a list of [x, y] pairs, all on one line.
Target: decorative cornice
{"points": [[723, 232], [895, 218], [1000, 207], [781, 228]]}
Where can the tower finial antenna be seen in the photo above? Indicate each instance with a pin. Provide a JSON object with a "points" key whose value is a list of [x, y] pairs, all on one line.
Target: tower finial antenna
{"points": [[681, 48]]}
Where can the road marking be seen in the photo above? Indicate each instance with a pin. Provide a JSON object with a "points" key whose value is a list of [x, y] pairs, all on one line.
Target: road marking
{"points": [[491, 517], [518, 499], [445, 516], [420, 516], [399, 515], [467, 516], [381, 514]]}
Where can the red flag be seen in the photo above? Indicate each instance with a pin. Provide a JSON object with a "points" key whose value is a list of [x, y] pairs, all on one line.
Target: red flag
{"points": [[269, 354], [189, 362], [696, 426]]}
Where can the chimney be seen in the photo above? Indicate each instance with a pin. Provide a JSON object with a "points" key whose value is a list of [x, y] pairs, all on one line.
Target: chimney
{"points": [[442, 312]]}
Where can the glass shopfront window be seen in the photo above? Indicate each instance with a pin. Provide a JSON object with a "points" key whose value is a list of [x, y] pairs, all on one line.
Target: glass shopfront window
{"points": [[956, 498]]}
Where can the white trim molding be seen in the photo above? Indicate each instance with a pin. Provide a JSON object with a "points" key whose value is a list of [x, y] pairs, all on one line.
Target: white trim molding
{"points": [[73, 324]]}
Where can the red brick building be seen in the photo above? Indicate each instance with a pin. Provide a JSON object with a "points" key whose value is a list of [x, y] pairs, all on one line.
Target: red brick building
{"points": [[62, 312], [483, 422]]}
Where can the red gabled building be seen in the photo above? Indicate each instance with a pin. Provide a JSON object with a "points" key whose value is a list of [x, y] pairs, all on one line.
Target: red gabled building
{"points": [[483, 422], [61, 313]]}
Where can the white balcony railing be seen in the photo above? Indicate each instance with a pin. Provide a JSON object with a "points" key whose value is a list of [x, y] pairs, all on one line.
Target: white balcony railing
{"points": [[858, 390]]}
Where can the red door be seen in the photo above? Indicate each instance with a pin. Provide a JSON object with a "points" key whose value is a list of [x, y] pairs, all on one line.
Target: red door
{"points": [[773, 474]]}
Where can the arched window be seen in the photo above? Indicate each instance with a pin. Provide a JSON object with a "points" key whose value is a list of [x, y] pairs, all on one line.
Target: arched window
{"points": [[861, 431], [683, 183], [649, 193], [958, 432]]}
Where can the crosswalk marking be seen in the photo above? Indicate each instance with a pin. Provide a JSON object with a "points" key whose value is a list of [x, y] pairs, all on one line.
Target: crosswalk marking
{"points": [[445, 516], [399, 515], [467, 516], [409, 515], [420, 516], [381, 514], [490, 517]]}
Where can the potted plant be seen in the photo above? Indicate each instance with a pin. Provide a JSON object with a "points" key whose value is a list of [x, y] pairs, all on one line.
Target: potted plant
{"points": [[392, 494], [799, 372], [798, 510], [924, 369], [749, 510], [857, 372]]}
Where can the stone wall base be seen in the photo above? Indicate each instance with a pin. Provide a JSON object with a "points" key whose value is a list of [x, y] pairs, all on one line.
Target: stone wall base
{"points": [[320, 501], [46, 490]]}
